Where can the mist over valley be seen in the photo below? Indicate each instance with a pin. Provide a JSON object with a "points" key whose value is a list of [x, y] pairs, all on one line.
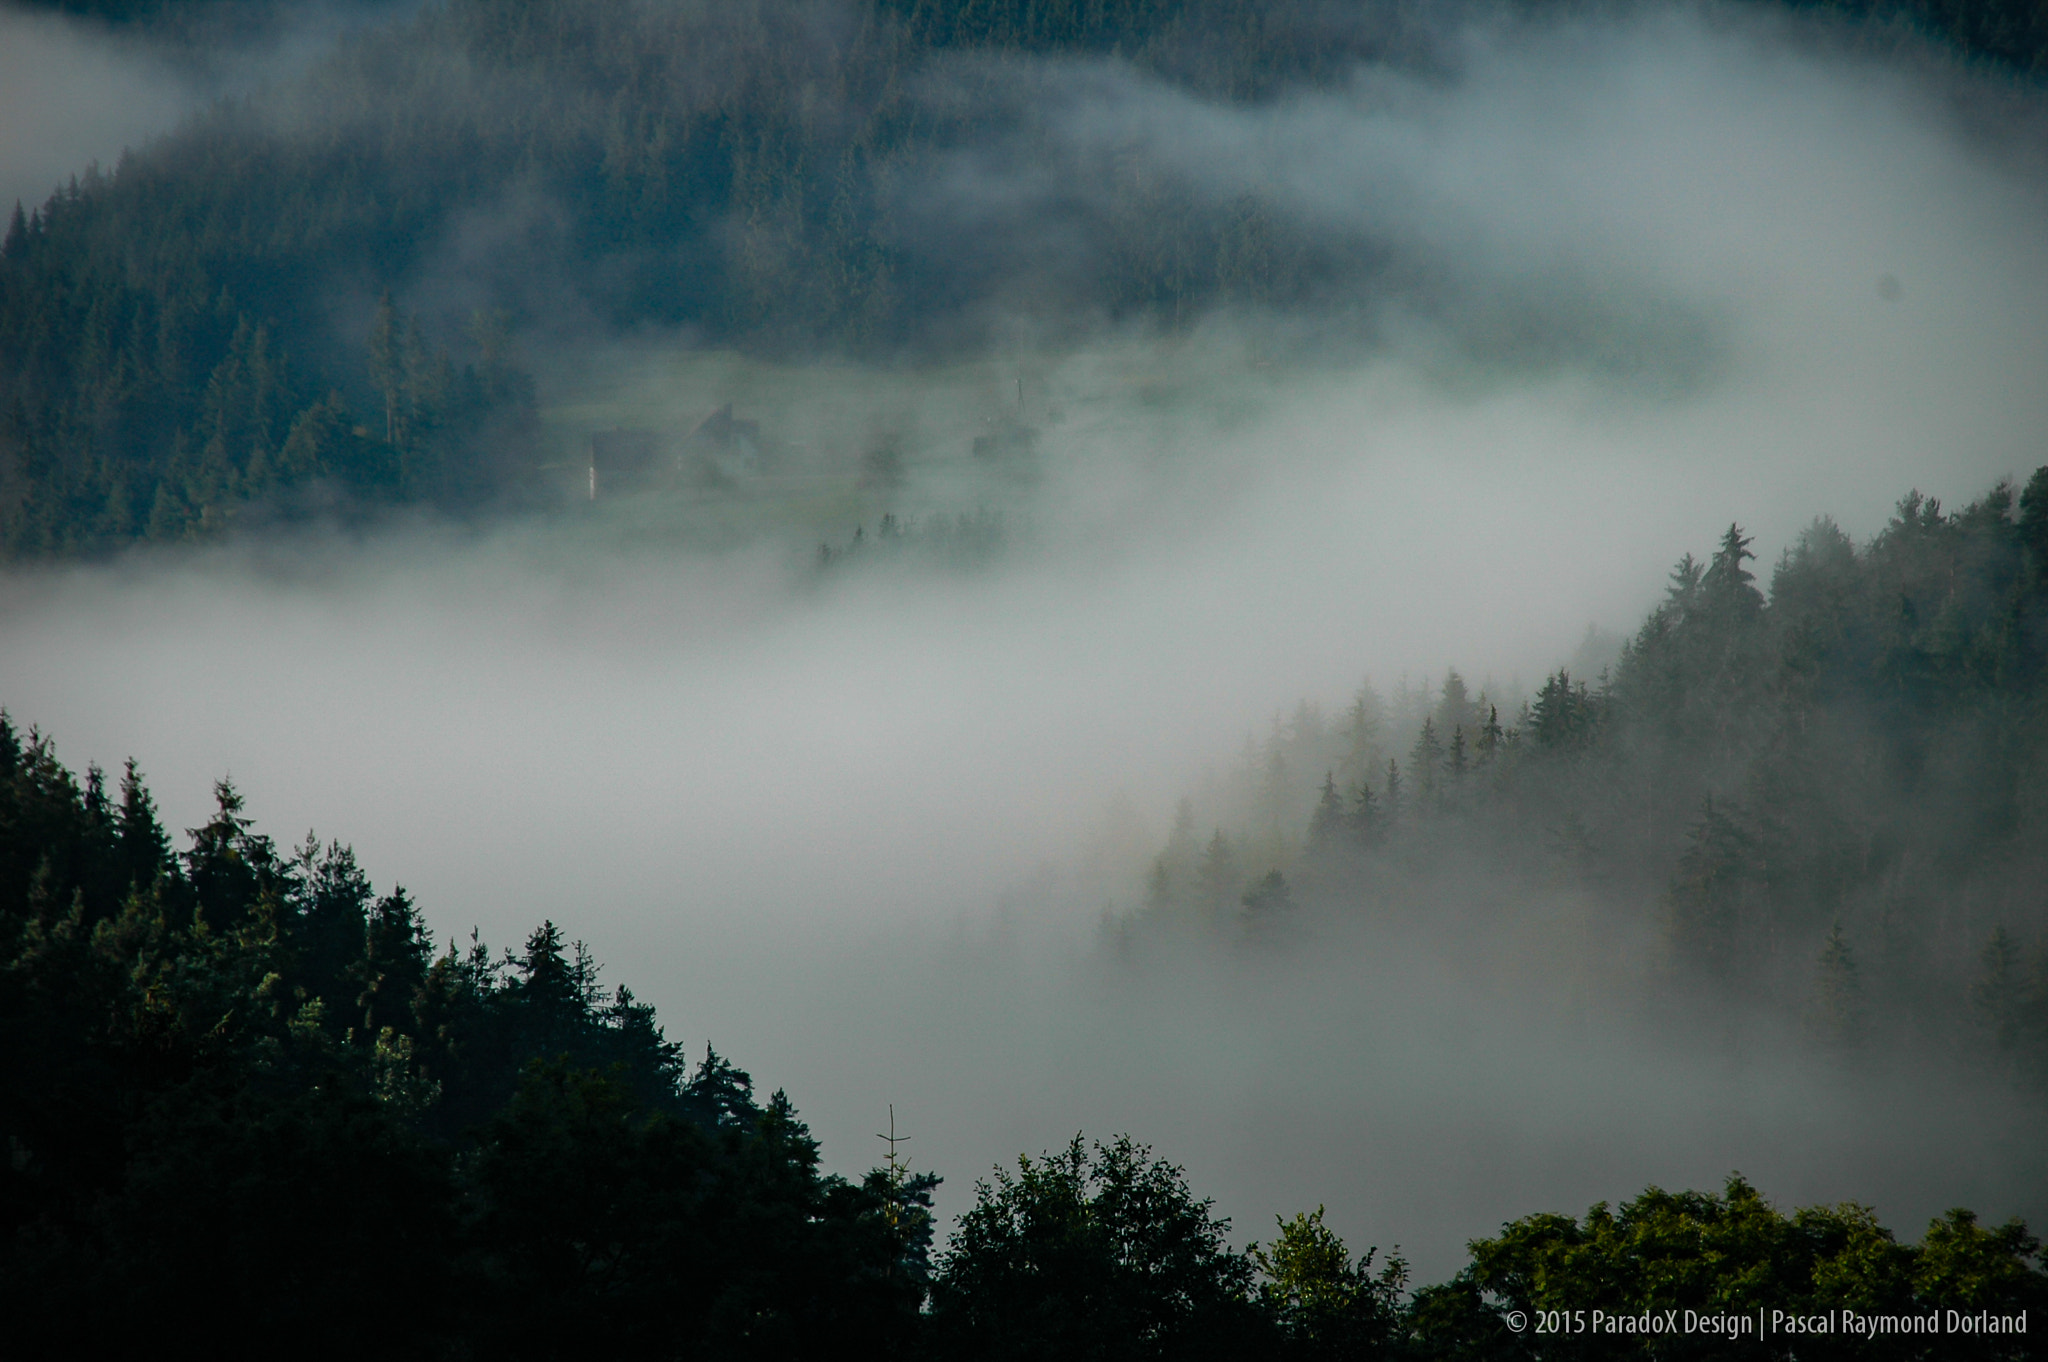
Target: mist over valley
{"points": [[1109, 578]]}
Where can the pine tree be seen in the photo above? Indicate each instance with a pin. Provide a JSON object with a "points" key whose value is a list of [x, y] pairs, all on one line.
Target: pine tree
{"points": [[1454, 705], [1306, 730], [1425, 759], [1273, 793], [1997, 994], [1836, 1016], [1175, 876], [1571, 845], [1490, 736], [1712, 896], [1363, 724], [1159, 887], [2033, 524], [1218, 876], [1326, 825], [332, 901], [1268, 907], [234, 872], [143, 849], [1726, 587], [1365, 820], [721, 1093], [548, 981], [396, 957], [1564, 714]]}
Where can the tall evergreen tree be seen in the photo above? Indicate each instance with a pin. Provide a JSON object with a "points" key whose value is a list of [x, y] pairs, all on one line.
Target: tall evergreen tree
{"points": [[1837, 1014], [1326, 825], [1425, 762], [1997, 995], [1713, 898], [1364, 722], [1365, 820], [1268, 908], [1219, 877]]}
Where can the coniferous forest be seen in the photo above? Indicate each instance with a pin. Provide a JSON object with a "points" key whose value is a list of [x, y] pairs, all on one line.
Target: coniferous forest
{"points": [[1829, 782], [472, 389], [245, 1090], [277, 313]]}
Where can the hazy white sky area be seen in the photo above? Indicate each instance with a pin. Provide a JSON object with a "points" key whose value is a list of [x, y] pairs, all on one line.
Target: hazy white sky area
{"points": [[74, 92], [70, 95], [859, 830]]}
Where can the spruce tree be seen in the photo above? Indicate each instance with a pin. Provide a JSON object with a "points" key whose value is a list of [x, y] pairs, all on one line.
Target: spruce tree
{"points": [[1712, 896], [1997, 993], [1489, 736], [1218, 876], [1837, 1015], [1268, 907], [16, 244], [1363, 724], [1365, 818], [143, 849], [1326, 825], [1425, 759]]}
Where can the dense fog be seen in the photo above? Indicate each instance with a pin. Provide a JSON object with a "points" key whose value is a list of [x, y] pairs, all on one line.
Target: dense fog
{"points": [[878, 828]]}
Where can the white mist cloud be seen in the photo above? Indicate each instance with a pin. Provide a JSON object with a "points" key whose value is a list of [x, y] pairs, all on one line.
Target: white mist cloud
{"points": [[71, 95], [75, 92]]}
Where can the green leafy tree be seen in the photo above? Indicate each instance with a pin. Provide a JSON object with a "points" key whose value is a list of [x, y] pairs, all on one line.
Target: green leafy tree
{"points": [[1094, 1252], [1327, 1304]]}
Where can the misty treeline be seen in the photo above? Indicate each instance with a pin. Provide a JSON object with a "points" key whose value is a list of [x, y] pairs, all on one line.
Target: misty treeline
{"points": [[302, 302], [247, 1106], [959, 540], [1827, 799]]}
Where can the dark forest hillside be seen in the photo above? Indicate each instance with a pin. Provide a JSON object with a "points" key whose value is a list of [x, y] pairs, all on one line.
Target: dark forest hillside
{"points": [[243, 1092], [196, 336], [243, 1096]]}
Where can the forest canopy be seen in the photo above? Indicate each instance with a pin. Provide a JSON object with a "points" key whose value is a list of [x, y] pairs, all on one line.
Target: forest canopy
{"points": [[242, 1092], [305, 302], [1825, 800]]}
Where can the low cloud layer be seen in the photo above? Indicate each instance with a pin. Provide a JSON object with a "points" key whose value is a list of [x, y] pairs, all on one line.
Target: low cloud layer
{"points": [[75, 92], [70, 96]]}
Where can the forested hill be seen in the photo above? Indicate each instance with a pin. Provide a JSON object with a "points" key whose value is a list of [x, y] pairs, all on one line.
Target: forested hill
{"points": [[245, 1100], [246, 1108], [1822, 793], [197, 337]]}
